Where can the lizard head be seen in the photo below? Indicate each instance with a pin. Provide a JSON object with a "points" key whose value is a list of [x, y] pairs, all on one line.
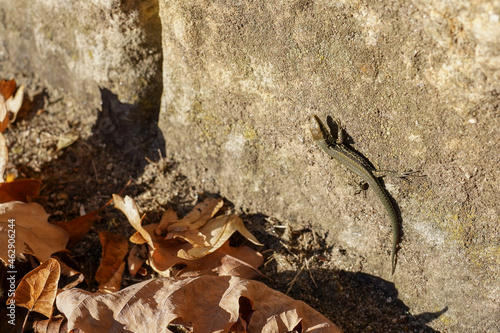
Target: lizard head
{"points": [[318, 129]]}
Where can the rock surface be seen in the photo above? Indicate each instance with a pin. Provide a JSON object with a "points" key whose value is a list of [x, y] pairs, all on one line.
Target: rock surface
{"points": [[416, 84]]}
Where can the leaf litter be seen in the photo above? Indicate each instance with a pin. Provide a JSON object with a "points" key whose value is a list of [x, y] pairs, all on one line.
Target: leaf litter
{"points": [[192, 253]]}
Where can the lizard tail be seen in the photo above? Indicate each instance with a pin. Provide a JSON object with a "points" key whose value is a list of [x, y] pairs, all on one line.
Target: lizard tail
{"points": [[393, 256]]}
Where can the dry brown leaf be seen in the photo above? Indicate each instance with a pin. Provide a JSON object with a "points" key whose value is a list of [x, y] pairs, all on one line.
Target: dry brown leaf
{"points": [[109, 273], [9, 102], [236, 261], [115, 282], [19, 190], [57, 324], [194, 249], [7, 88], [152, 305], [215, 233], [201, 213], [31, 231], [129, 208], [38, 289], [241, 261], [137, 256], [79, 226], [137, 238], [169, 217]]}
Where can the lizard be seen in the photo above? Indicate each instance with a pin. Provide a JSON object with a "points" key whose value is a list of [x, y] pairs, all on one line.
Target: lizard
{"points": [[355, 162]]}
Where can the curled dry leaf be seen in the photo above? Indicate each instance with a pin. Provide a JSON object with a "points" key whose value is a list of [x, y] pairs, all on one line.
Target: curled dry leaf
{"points": [[214, 234], [109, 273], [15, 102], [202, 304], [7, 88], [38, 289], [195, 249], [129, 208], [137, 256], [33, 234], [12, 101], [239, 261], [201, 213]]}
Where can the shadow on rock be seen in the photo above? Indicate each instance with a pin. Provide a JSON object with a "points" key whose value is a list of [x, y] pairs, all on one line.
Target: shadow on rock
{"points": [[296, 261]]}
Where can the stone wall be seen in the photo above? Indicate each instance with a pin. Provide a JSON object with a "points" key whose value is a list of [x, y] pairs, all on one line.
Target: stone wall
{"points": [[416, 86], [76, 48]]}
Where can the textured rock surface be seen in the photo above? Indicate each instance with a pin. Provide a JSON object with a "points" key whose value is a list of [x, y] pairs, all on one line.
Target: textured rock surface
{"points": [[415, 84], [78, 47]]}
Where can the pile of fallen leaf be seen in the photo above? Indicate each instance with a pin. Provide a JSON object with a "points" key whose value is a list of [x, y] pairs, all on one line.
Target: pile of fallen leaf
{"points": [[206, 283]]}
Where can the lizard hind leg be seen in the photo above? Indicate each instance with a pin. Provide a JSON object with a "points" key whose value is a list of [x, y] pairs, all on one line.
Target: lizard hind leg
{"points": [[359, 187]]}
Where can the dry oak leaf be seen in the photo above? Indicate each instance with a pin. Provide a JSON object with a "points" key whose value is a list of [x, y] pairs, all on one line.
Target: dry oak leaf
{"points": [[164, 253], [80, 226], [136, 257], [241, 261], [7, 89], [38, 289], [212, 236], [203, 304], [129, 208], [10, 101], [196, 218], [114, 250], [15, 102], [30, 230]]}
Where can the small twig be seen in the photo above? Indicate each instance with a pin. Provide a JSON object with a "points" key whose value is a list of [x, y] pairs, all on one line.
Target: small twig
{"points": [[125, 187], [271, 258], [310, 273], [119, 193], [292, 283], [286, 248]]}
